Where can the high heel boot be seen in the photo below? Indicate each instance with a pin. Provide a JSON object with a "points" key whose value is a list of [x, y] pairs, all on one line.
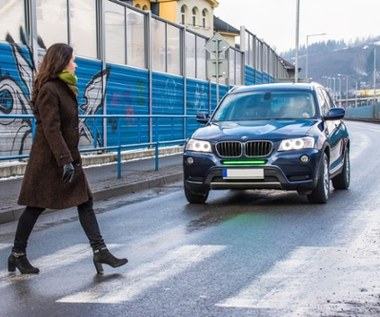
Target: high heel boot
{"points": [[104, 256], [20, 261]]}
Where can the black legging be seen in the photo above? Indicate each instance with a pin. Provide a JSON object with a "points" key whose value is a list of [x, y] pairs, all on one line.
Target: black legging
{"points": [[87, 219]]}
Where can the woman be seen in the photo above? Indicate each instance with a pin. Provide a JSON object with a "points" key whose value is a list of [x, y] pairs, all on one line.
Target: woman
{"points": [[54, 177]]}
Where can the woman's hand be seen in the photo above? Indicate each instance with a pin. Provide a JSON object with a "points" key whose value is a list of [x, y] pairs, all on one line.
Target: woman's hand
{"points": [[68, 173]]}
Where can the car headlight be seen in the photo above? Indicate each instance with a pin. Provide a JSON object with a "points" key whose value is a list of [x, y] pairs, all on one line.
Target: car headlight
{"points": [[198, 146], [296, 144]]}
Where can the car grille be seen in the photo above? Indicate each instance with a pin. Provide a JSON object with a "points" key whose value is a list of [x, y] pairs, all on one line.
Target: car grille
{"points": [[249, 149]]}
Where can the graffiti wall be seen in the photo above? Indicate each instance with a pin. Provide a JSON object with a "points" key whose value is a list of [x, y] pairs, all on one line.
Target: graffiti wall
{"points": [[16, 75]]}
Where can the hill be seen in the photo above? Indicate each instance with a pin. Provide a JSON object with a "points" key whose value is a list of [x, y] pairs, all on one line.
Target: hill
{"points": [[350, 66]]}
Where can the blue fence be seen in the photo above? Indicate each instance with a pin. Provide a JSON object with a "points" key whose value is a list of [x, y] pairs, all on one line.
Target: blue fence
{"points": [[119, 140], [370, 112]]}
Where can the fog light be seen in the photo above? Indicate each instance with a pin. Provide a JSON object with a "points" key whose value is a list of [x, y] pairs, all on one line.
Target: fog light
{"points": [[190, 160], [304, 159]]}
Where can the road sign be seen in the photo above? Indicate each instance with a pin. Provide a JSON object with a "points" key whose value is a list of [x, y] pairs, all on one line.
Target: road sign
{"points": [[216, 68], [217, 44]]}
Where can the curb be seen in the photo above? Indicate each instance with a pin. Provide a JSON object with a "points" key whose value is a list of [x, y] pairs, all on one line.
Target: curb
{"points": [[148, 183]]}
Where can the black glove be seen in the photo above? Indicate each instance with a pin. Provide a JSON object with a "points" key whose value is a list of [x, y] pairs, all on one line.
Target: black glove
{"points": [[68, 173]]}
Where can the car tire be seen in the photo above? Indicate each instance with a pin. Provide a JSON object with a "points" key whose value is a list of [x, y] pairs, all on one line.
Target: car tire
{"points": [[195, 198], [320, 194], [342, 181]]}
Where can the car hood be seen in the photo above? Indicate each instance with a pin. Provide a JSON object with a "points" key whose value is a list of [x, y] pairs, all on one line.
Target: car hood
{"points": [[269, 130]]}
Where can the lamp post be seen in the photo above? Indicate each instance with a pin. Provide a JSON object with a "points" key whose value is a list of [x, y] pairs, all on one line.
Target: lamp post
{"points": [[334, 88], [297, 39], [346, 77], [339, 79], [374, 76], [307, 53], [374, 71], [328, 83]]}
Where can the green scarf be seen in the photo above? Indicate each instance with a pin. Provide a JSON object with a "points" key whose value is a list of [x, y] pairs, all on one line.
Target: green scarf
{"points": [[70, 80]]}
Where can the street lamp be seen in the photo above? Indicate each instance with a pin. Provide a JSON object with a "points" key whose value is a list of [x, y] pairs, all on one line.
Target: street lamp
{"points": [[374, 75], [374, 71], [328, 83], [297, 39], [345, 77], [307, 52], [334, 88], [339, 79]]}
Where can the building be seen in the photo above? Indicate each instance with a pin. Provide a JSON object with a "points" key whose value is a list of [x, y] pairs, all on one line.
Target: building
{"points": [[226, 30], [196, 15]]}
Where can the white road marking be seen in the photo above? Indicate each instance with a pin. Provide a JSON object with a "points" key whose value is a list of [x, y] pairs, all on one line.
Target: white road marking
{"points": [[4, 246], [267, 291], [51, 262], [319, 279], [145, 276]]}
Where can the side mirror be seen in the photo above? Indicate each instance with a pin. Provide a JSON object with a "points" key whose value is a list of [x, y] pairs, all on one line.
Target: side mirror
{"points": [[335, 114], [202, 117]]}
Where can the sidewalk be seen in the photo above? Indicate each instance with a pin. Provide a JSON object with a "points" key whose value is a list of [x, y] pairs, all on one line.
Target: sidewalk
{"points": [[136, 174]]}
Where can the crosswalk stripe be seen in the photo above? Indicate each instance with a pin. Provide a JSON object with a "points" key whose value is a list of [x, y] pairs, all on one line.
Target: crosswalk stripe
{"points": [[52, 261], [4, 246], [145, 276], [309, 273], [267, 290]]}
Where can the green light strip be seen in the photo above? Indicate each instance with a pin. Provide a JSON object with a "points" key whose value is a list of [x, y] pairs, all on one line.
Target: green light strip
{"points": [[256, 162]]}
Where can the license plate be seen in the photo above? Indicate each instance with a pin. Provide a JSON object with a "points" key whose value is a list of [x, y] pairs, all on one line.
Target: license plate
{"points": [[243, 173]]}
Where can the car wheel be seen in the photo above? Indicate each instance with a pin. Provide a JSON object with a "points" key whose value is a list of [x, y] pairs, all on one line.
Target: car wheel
{"points": [[342, 181], [320, 194], [195, 198]]}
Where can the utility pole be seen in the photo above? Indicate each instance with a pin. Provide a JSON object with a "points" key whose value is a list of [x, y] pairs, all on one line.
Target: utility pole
{"points": [[297, 39]]}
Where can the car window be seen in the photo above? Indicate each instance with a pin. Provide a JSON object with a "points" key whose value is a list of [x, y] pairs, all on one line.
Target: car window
{"points": [[266, 105], [324, 100]]}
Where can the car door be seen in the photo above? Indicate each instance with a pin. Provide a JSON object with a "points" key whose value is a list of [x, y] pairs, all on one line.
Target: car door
{"points": [[333, 130]]}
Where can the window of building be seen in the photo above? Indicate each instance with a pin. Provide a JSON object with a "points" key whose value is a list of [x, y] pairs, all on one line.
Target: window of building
{"points": [[138, 6], [204, 18], [194, 16], [145, 8], [183, 14]]}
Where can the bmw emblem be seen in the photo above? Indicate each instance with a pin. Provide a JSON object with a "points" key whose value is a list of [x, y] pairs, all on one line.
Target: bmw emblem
{"points": [[244, 137]]}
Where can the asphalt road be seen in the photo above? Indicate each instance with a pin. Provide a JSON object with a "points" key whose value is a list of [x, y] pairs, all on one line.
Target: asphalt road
{"points": [[250, 253]]}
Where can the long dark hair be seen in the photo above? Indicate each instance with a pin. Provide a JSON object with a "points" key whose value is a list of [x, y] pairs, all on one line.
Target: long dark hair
{"points": [[55, 60]]}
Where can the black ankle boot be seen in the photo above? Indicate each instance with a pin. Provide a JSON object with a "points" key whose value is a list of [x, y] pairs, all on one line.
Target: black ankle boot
{"points": [[20, 261], [103, 256]]}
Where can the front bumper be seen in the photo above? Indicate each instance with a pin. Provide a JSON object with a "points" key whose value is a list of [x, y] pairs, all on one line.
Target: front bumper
{"points": [[283, 170]]}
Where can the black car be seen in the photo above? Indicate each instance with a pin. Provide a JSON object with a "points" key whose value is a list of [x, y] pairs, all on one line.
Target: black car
{"points": [[270, 136]]}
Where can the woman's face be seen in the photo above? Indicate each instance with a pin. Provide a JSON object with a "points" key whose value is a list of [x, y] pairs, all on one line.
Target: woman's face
{"points": [[71, 66]]}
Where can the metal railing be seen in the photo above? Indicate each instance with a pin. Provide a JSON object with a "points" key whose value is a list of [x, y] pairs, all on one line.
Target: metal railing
{"points": [[119, 146]]}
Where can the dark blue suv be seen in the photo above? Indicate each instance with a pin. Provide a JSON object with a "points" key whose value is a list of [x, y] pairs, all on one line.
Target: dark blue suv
{"points": [[271, 136]]}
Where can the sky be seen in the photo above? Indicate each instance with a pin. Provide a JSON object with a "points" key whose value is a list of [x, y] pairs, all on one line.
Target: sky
{"points": [[274, 21]]}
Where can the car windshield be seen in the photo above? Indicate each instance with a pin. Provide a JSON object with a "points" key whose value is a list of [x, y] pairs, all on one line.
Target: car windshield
{"points": [[266, 105]]}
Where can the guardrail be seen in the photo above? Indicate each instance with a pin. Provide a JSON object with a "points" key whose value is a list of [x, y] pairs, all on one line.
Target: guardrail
{"points": [[120, 147], [367, 112]]}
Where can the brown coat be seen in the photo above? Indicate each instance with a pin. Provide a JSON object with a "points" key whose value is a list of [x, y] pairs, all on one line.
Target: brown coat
{"points": [[55, 144]]}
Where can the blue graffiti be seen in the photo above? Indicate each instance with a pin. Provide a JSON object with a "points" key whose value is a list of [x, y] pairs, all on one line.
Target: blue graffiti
{"points": [[15, 90]]}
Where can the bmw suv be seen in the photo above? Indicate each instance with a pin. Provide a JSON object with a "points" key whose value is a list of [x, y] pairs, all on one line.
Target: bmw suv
{"points": [[270, 136]]}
